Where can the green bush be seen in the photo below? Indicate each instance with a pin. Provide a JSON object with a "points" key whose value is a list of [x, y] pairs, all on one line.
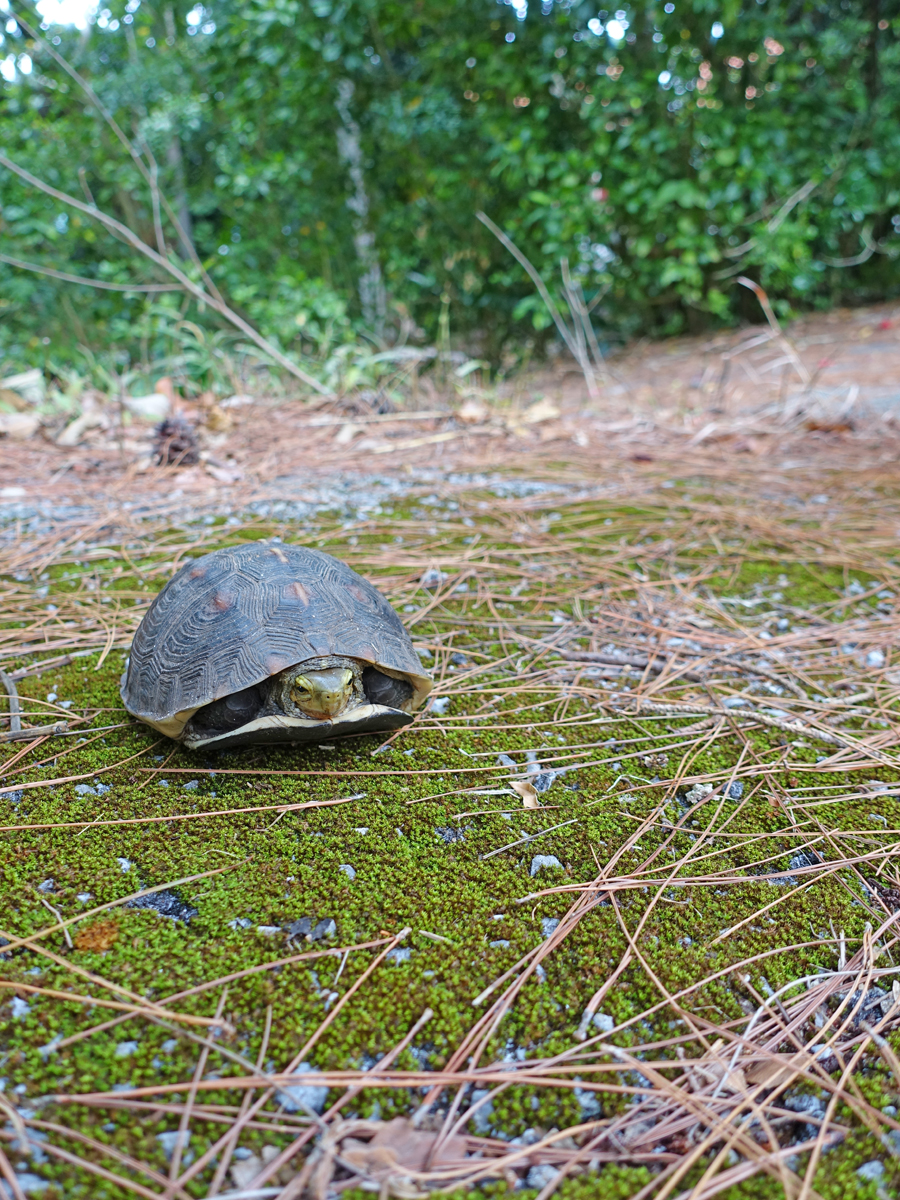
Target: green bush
{"points": [[707, 141]]}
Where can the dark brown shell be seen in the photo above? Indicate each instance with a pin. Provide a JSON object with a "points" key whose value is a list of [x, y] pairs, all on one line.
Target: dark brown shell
{"points": [[235, 617]]}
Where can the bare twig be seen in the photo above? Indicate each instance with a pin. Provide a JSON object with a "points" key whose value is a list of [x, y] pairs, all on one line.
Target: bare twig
{"points": [[15, 719], [83, 279], [187, 284]]}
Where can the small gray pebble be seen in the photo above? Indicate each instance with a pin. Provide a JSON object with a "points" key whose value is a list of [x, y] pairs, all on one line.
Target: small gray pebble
{"points": [[170, 1139], [872, 1171], [541, 1175], [449, 834], [544, 860]]}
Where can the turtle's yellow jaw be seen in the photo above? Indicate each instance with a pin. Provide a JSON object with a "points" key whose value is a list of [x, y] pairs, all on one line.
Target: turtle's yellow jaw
{"points": [[323, 694]]}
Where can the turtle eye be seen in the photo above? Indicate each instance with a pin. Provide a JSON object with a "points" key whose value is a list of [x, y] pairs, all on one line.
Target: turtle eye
{"points": [[302, 685]]}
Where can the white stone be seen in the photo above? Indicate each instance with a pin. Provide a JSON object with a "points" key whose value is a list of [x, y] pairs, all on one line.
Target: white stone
{"points": [[155, 407], [170, 1139], [544, 860], [299, 1097], [242, 1173], [541, 1175], [30, 385], [871, 1171], [75, 430], [30, 1184], [19, 426]]}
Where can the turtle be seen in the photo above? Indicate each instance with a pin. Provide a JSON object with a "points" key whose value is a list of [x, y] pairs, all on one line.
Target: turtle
{"points": [[271, 642]]}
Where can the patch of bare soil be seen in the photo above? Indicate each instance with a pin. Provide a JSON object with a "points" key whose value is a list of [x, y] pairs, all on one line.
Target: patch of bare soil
{"points": [[822, 396]]}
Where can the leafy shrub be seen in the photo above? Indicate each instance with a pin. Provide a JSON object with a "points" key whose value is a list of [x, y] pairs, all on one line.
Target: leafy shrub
{"points": [[662, 149]]}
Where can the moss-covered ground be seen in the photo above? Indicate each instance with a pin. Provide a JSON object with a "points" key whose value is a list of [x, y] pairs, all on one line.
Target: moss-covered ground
{"points": [[407, 833]]}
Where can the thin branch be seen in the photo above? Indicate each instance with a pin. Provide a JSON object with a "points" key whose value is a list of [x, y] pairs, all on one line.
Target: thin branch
{"points": [[82, 279], [574, 337], [187, 283], [579, 309], [536, 278], [154, 199], [857, 259], [15, 719], [776, 327], [136, 158]]}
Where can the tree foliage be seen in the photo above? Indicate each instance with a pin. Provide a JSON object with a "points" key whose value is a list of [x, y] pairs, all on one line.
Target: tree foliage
{"points": [[663, 149]]}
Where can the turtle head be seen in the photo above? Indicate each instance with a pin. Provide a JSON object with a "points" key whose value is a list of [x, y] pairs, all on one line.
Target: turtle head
{"points": [[322, 694]]}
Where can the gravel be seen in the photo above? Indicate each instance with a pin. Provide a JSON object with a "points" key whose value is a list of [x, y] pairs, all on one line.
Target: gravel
{"points": [[302, 1097], [169, 1140], [31, 1185], [450, 833], [166, 904], [545, 861], [312, 931], [871, 1172]]}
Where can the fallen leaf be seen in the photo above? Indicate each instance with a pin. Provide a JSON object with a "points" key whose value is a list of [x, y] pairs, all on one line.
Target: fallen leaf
{"points": [[526, 791], [165, 387], [347, 433], [829, 426], [99, 936], [13, 400], [712, 1071], [19, 426], [541, 410], [218, 420], [155, 407], [770, 1074], [30, 385], [75, 430], [400, 1143], [473, 412], [224, 474]]}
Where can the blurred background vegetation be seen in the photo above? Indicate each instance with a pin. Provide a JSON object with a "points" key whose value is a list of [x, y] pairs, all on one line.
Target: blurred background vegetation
{"points": [[327, 159]]}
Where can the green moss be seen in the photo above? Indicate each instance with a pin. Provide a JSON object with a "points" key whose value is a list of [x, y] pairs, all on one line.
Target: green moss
{"points": [[281, 866]]}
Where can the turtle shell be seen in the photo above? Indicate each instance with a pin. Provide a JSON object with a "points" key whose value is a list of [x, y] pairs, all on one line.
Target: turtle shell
{"points": [[235, 617]]}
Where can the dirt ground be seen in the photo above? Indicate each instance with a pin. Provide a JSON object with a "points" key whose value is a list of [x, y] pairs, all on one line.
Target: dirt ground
{"points": [[824, 396], [616, 916]]}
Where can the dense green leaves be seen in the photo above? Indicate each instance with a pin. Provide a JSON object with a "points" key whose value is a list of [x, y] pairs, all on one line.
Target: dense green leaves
{"points": [[661, 152]]}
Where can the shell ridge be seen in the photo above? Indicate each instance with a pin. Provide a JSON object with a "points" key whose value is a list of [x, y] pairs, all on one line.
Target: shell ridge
{"points": [[224, 622]]}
